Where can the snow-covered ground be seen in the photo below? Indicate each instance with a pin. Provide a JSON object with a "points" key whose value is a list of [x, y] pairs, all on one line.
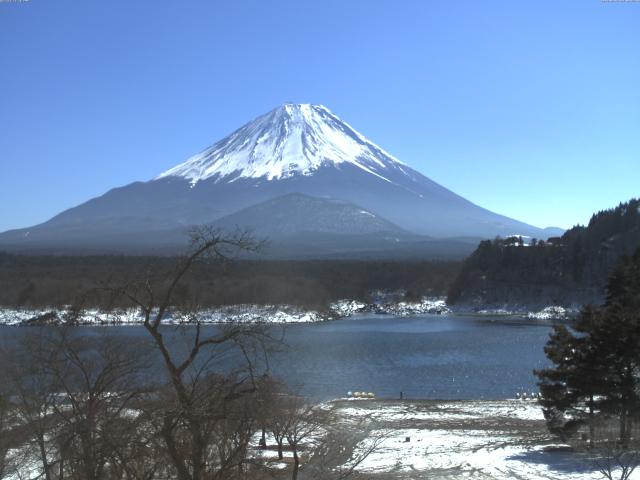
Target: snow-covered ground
{"points": [[384, 305], [345, 308], [428, 439], [496, 440], [234, 313], [552, 312]]}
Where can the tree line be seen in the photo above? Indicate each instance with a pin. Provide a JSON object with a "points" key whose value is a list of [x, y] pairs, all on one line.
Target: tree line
{"points": [[50, 281], [572, 269], [591, 391]]}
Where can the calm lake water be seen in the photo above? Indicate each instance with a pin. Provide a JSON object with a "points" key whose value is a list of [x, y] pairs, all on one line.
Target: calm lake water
{"points": [[427, 356]]}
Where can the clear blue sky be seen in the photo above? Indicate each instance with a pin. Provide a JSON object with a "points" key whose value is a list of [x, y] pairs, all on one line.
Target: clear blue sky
{"points": [[528, 108]]}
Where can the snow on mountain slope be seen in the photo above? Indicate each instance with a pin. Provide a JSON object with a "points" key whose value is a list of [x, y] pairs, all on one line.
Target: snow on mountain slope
{"points": [[291, 139]]}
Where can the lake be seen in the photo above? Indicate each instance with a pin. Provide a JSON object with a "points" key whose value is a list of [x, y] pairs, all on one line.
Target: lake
{"points": [[426, 356], [429, 356]]}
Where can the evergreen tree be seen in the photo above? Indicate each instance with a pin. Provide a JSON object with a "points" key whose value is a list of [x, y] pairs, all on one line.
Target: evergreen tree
{"points": [[623, 290], [570, 388], [570, 269], [596, 362]]}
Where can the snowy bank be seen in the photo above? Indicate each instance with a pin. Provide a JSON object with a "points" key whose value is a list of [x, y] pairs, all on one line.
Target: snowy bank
{"points": [[276, 314], [426, 305], [550, 313]]}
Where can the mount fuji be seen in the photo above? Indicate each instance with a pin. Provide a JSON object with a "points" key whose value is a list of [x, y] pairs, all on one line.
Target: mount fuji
{"points": [[298, 161]]}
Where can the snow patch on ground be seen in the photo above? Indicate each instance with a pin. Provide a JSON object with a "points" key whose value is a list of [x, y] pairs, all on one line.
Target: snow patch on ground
{"points": [[385, 304], [235, 313], [278, 314], [498, 440], [426, 305], [441, 411], [554, 312], [495, 311]]}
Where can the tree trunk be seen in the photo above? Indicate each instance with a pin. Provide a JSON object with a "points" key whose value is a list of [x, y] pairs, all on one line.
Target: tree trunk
{"points": [[296, 464], [280, 456], [591, 427], [43, 457], [624, 433], [172, 448], [198, 449]]}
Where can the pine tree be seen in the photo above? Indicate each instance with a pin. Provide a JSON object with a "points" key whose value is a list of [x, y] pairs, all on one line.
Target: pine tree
{"points": [[623, 289], [596, 362], [570, 388]]}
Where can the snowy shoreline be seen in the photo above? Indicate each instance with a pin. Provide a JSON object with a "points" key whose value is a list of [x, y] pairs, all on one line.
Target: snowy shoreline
{"points": [[270, 314]]}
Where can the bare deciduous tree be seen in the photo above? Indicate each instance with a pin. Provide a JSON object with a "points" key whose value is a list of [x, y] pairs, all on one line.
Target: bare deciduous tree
{"points": [[304, 424], [201, 418], [343, 447], [89, 410], [73, 396], [603, 450], [324, 445], [5, 428], [615, 462]]}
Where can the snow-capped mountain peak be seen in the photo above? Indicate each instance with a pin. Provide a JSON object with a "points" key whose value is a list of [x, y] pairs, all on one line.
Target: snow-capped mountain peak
{"points": [[247, 180], [293, 139]]}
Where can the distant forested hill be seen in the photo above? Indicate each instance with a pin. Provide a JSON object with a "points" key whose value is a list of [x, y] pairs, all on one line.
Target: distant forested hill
{"points": [[567, 270], [48, 281]]}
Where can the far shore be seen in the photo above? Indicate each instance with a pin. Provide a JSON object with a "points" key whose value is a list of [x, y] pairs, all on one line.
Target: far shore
{"points": [[277, 314]]}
